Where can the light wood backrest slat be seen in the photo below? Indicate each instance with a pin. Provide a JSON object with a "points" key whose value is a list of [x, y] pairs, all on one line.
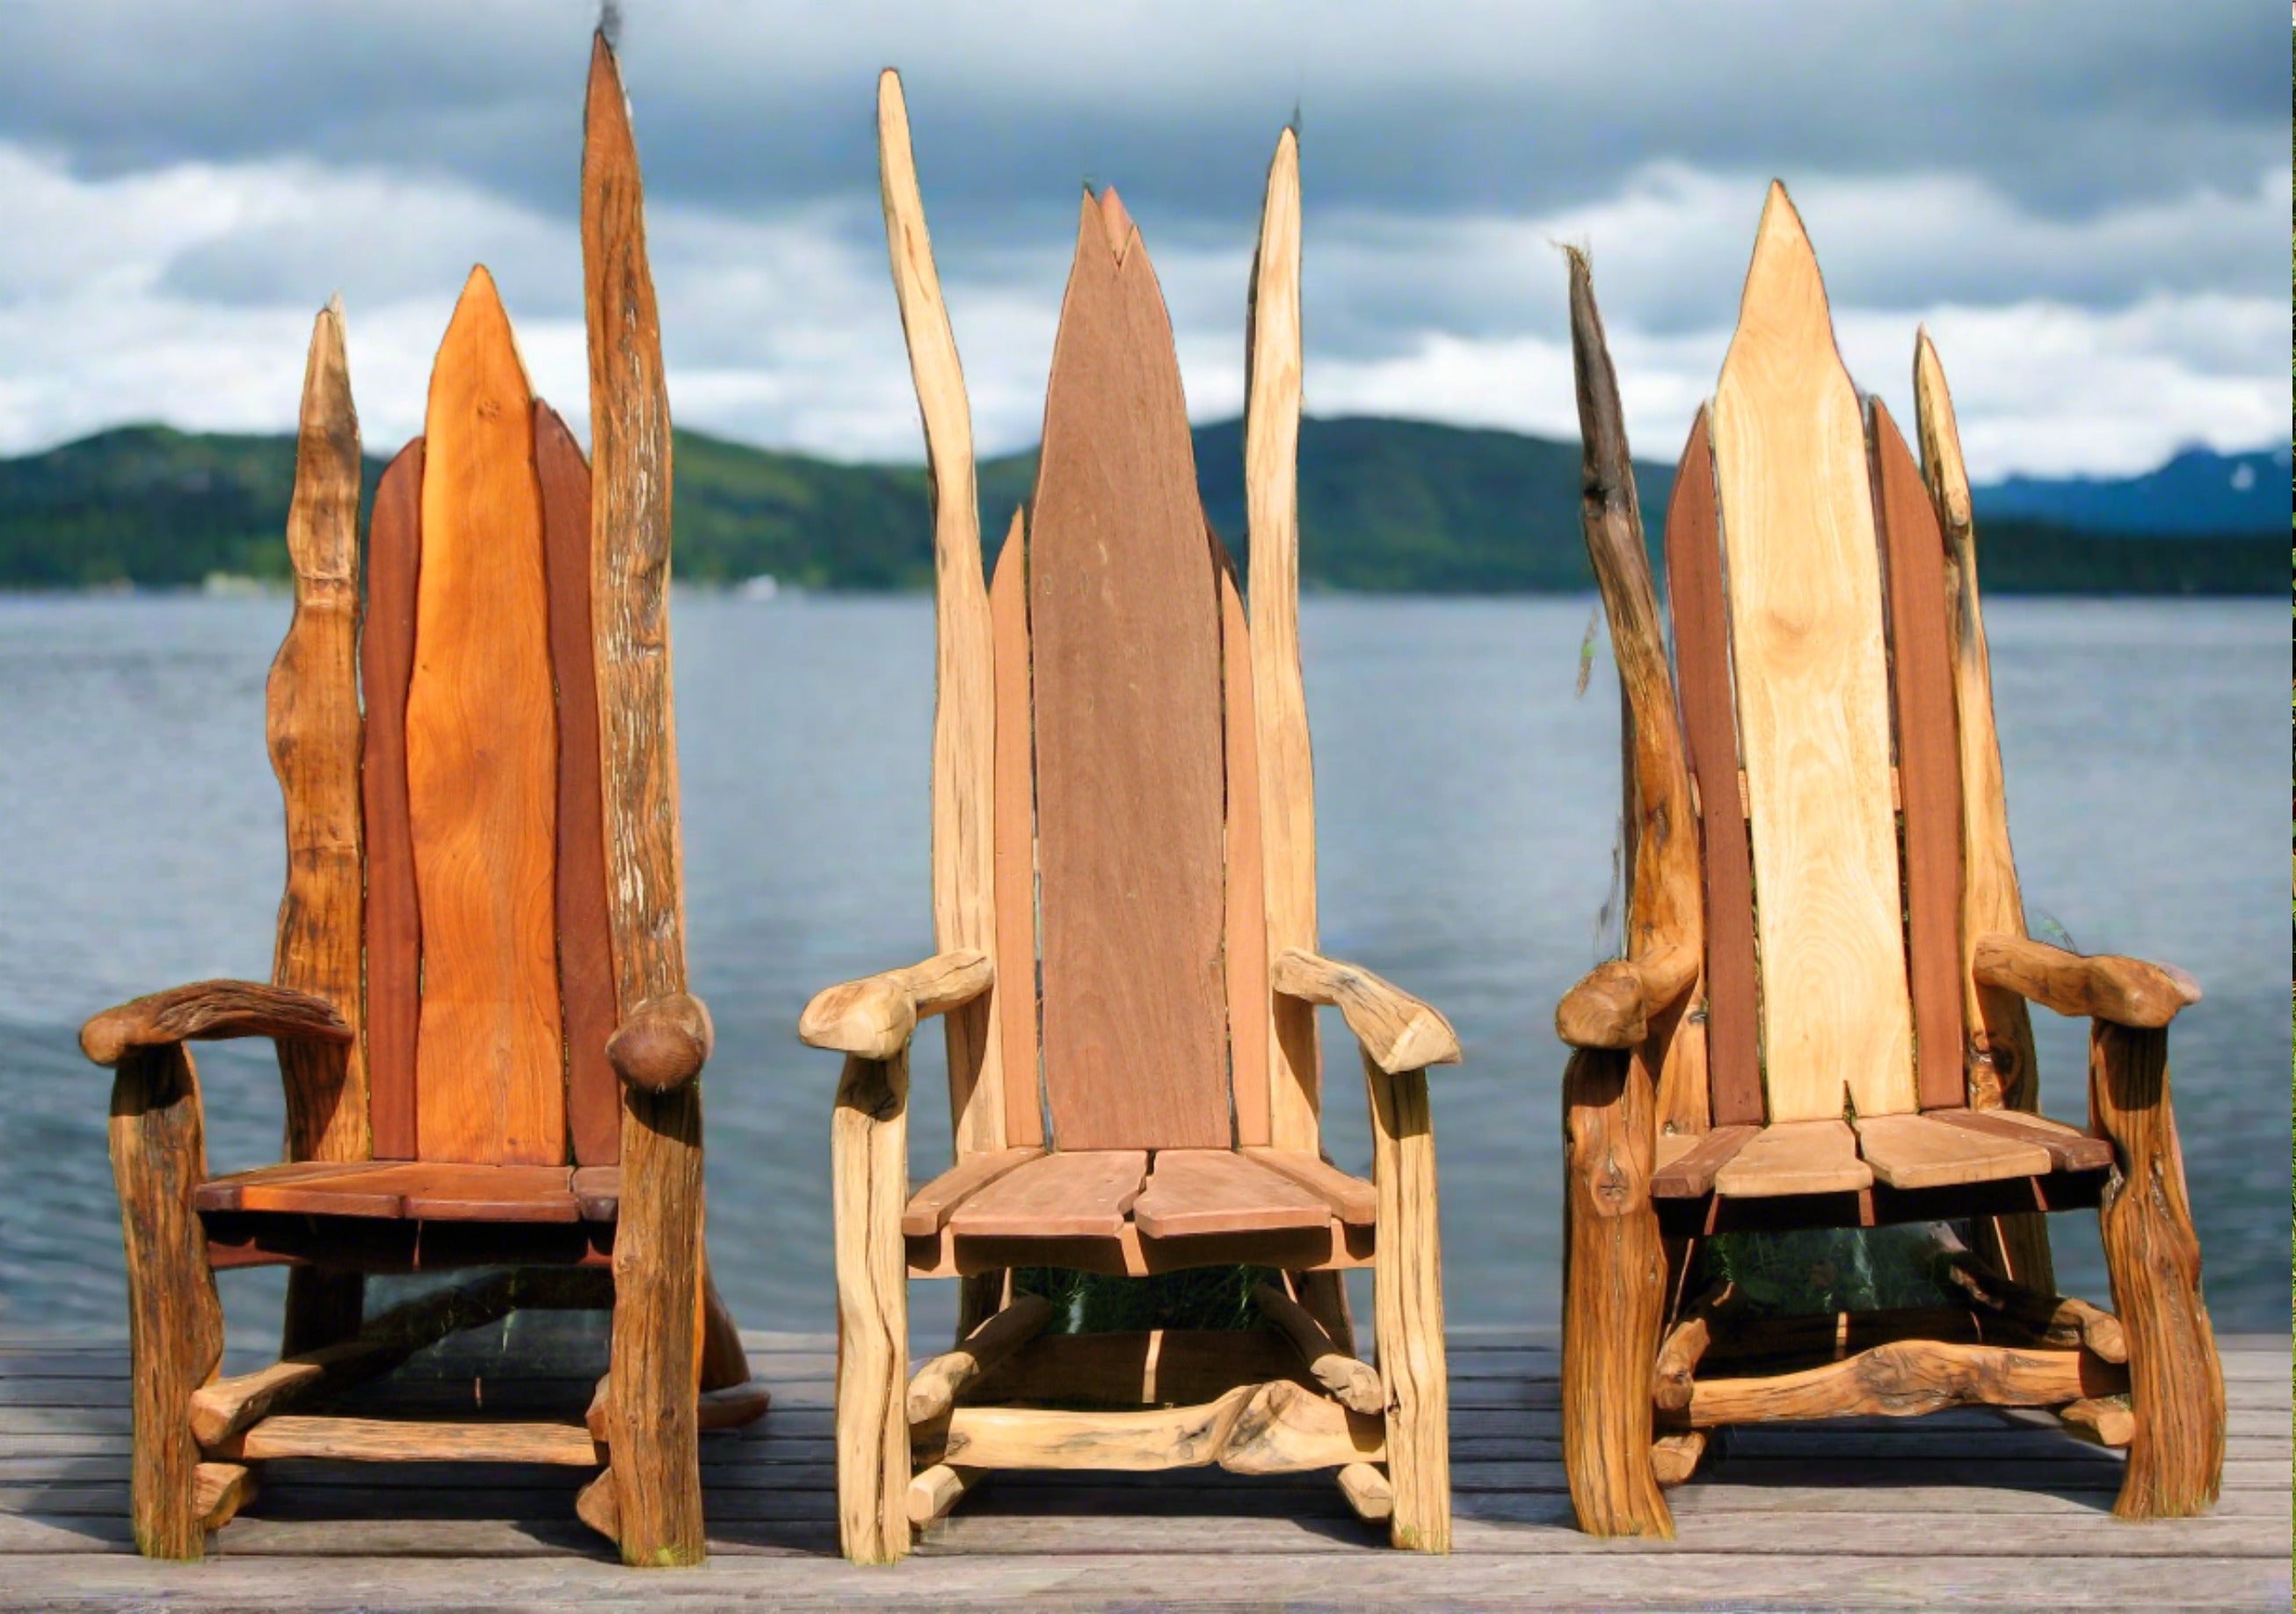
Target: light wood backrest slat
{"points": [[1016, 841], [1246, 914]]}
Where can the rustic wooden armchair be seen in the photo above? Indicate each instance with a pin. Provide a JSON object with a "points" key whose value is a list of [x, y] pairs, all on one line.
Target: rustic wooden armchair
{"points": [[479, 1002], [1124, 896], [1829, 1029]]}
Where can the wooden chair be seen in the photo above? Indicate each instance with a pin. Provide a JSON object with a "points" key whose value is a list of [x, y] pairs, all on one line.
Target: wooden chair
{"points": [[1852, 1049], [478, 993], [1122, 812]]}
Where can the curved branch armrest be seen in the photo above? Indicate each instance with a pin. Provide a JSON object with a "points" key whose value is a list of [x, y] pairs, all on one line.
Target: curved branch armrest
{"points": [[209, 1010], [1612, 1006], [1397, 1030], [873, 1018], [2123, 991], [664, 1044]]}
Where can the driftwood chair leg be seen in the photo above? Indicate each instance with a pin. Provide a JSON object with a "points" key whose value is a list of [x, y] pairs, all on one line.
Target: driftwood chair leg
{"points": [[1614, 1294], [1407, 1304], [175, 1322], [1324, 1294], [2176, 1382], [869, 1171]]}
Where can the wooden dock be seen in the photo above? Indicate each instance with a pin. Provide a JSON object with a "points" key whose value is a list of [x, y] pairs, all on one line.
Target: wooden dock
{"points": [[1971, 1509]]}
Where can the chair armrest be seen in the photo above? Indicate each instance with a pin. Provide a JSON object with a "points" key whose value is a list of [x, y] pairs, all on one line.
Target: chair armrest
{"points": [[873, 1018], [1612, 1006], [2124, 991], [1398, 1032], [208, 1010], [664, 1044]]}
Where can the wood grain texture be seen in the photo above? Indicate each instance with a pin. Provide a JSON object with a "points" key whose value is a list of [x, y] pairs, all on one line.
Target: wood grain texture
{"points": [[483, 763], [2069, 1150], [212, 1011], [2056, 1320], [1916, 1152], [1272, 370], [585, 946], [1354, 1384], [658, 1240], [1795, 1157], [869, 1179], [1408, 1305], [1016, 841], [313, 725], [1369, 1496], [394, 922], [416, 1190], [938, 1488], [1351, 1199], [1905, 1378], [1199, 1192], [1248, 992], [1929, 760], [874, 1017], [1813, 695], [1689, 1170], [1123, 619], [1701, 643], [930, 1206], [221, 1490], [2175, 1381], [663, 1044], [963, 780], [1398, 1033], [1071, 1194], [410, 1440], [935, 1387], [175, 1322], [2126, 991]]}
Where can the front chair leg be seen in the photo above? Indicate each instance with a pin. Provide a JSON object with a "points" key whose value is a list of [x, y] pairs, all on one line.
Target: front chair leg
{"points": [[869, 1171], [175, 1322], [2175, 1384], [1613, 1296], [1407, 1306]]}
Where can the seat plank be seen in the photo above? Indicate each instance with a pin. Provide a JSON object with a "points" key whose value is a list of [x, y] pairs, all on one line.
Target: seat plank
{"points": [[417, 1189], [394, 928], [2070, 1149], [1813, 696], [1688, 1163], [1795, 1157], [1352, 1200], [483, 763], [1079, 1195], [1196, 1191], [1917, 1151], [1124, 618], [928, 1208]]}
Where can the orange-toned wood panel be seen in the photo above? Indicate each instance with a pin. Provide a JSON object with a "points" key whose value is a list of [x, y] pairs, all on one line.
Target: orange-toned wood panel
{"points": [[394, 925], [1015, 812], [482, 764], [1124, 617]]}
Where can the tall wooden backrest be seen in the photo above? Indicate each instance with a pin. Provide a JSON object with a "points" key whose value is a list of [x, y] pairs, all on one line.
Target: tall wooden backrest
{"points": [[490, 982], [1806, 573]]}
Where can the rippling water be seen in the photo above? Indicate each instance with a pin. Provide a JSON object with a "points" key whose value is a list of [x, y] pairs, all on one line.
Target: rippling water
{"points": [[1467, 804]]}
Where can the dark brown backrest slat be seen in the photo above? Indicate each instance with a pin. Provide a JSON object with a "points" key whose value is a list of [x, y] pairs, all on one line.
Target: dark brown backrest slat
{"points": [[1701, 653], [1123, 612], [394, 930], [1929, 765], [586, 946]]}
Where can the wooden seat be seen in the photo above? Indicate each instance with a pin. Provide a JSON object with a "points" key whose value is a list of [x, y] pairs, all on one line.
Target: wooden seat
{"points": [[417, 1191], [1123, 866], [1820, 1021]]}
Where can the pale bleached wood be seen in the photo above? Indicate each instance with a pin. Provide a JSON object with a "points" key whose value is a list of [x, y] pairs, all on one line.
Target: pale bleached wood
{"points": [[1368, 1492], [1613, 1004], [1407, 1303], [1398, 1032], [965, 718], [1246, 952], [874, 1018], [220, 1490], [1288, 1429], [1915, 1151], [313, 727], [869, 1182], [2069, 1148], [935, 1387], [1903, 1379], [1675, 1456], [1355, 1384], [937, 1490], [1253, 1429], [1795, 1157], [1813, 695], [1287, 779], [2106, 1423], [2125, 991], [411, 1441], [658, 1237]]}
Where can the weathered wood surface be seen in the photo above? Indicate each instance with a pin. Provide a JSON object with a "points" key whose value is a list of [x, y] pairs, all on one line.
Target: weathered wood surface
{"points": [[394, 930], [1964, 1510]]}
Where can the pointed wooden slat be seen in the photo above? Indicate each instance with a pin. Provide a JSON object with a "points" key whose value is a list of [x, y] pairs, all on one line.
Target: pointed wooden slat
{"points": [[483, 763], [314, 740], [1795, 1157], [586, 946], [1016, 842], [1701, 645], [1929, 766], [1082, 1195], [394, 928], [1287, 783], [1813, 695], [964, 887], [1247, 910], [1193, 1191], [1123, 622]]}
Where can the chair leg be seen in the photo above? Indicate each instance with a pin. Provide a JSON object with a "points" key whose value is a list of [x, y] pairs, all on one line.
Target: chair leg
{"points": [[175, 1322], [1407, 1306], [723, 1361], [1613, 1296], [2176, 1382], [869, 1173]]}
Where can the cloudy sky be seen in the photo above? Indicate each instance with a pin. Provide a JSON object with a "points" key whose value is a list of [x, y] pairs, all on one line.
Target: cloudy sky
{"points": [[2085, 202]]}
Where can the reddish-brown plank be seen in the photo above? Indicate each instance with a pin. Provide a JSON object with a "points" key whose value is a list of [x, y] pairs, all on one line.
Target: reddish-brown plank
{"points": [[1247, 901], [482, 764], [418, 1190], [1194, 1192], [931, 1206], [1691, 1172], [1351, 1199], [1014, 811], [1929, 760], [586, 946], [1701, 654], [394, 927], [1083, 1195], [1124, 621]]}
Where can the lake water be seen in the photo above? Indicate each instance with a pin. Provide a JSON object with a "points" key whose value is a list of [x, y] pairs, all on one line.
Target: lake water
{"points": [[1467, 800]]}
